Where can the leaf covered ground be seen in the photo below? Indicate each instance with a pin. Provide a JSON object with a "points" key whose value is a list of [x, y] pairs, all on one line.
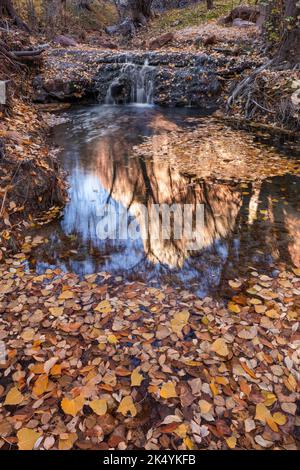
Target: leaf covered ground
{"points": [[103, 364]]}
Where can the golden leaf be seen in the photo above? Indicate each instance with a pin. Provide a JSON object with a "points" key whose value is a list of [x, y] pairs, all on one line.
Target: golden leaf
{"points": [[136, 378], [168, 390], [204, 406], [112, 339], [127, 406], [231, 442], [262, 413], [27, 438], [220, 347], [56, 311], [234, 307], [40, 385], [99, 406], [179, 321], [14, 397], [66, 441], [279, 418], [181, 430], [66, 295], [72, 406], [104, 307], [188, 443]]}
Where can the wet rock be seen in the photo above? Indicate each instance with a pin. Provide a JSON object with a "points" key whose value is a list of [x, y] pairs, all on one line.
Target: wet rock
{"points": [[177, 79], [161, 41], [65, 41]]}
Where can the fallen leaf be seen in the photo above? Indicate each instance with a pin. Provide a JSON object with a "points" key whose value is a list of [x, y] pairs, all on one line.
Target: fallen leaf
{"points": [[136, 378], [27, 438], [127, 406], [99, 406], [14, 397], [168, 390], [72, 406], [220, 347]]}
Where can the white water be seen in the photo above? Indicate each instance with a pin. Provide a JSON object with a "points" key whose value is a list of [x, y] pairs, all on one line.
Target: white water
{"points": [[141, 83]]}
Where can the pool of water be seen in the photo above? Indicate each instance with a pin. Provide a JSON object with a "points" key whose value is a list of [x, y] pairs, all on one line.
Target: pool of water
{"points": [[245, 225]]}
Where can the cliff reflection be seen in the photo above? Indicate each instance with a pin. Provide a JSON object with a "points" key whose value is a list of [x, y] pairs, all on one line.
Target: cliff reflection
{"points": [[244, 225]]}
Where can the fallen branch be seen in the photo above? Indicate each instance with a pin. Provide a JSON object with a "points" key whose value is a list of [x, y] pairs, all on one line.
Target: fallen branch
{"points": [[246, 82]]}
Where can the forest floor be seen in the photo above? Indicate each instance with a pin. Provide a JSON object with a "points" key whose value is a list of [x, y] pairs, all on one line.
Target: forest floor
{"points": [[101, 363]]}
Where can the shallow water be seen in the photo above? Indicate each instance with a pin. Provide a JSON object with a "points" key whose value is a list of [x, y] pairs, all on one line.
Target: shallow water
{"points": [[246, 226]]}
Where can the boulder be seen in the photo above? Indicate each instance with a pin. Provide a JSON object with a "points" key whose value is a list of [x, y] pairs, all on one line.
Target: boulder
{"points": [[161, 41], [243, 12], [239, 23], [125, 28], [65, 41]]}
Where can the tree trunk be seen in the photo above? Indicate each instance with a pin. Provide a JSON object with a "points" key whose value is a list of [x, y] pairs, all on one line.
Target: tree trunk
{"points": [[281, 28], [138, 10], [210, 4], [290, 45], [7, 9]]}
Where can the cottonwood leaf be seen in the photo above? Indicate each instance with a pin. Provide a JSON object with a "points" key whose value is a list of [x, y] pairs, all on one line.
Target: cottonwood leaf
{"points": [[220, 347], [40, 385], [136, 378], [262, 413], [66, 295], [27, 438], [231, 442], [279, 418], [56, 311], [179, 321], [99, 406], [127, 406], [168, 390], [72, 406], [14, 397]]}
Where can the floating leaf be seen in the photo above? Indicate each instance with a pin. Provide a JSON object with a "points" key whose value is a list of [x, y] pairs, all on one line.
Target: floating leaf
{"points": [[205, 406], [234, 307], [104, 307]]}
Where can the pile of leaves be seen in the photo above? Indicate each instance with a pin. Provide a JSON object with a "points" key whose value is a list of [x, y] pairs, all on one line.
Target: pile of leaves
{"points": [[103, 364], [30, 179]]}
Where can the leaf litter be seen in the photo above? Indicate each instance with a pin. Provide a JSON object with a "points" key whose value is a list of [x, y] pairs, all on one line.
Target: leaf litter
{"points": [[100, 363]]}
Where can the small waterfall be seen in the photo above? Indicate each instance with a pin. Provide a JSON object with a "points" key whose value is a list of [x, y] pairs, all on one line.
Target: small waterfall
{"points": [[134, 84]]}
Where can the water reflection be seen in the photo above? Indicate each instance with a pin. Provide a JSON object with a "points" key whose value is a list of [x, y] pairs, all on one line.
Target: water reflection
{"points": [[244, 227]]}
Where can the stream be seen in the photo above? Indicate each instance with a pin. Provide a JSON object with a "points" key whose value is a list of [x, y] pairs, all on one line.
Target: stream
{"points": [[247, 225]]}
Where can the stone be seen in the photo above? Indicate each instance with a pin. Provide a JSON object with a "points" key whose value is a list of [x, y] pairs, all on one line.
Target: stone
{"points": [[65, 41], [161, 41]]}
